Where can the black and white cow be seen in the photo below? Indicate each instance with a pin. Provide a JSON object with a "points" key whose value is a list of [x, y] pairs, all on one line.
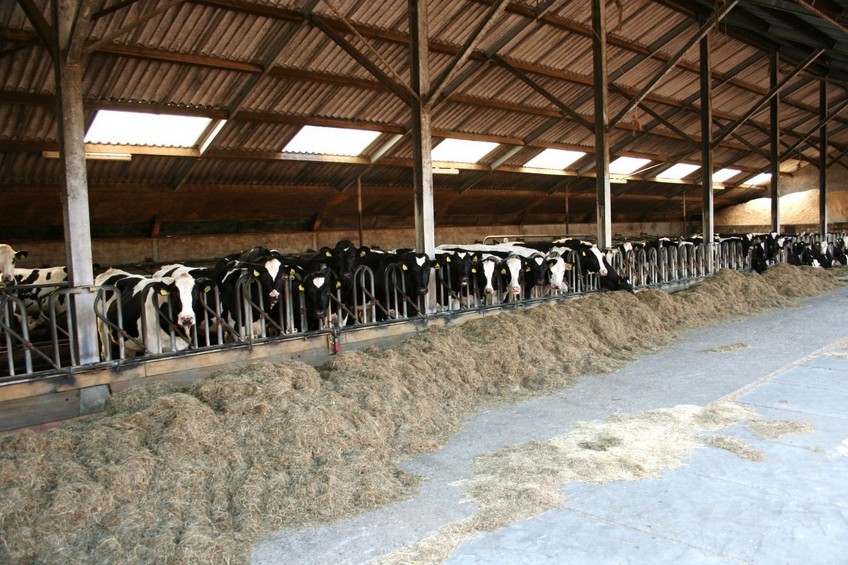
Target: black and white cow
{"points": [[34, 287], [317, 287], [455, 266], [593, 261], [399, 278], [8, 258], [150, 309]]}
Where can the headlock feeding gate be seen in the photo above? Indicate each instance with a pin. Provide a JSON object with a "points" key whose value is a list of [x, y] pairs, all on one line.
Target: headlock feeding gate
{"points": [[39, 352]]}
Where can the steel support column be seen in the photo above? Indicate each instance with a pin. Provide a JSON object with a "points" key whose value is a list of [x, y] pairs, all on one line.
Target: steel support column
{"points": [[823, 217], [69, 23], [774, 140], [708, 219], [599, 71]]}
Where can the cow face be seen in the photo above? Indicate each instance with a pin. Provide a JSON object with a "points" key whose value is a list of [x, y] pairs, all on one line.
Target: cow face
{"points": [[8, 256], [344, 258], [511, 271], [484, 270], [416, 272], [186, 294], [592, 260], [316, 288], [557, 268], [457, 267], [535, 268]]}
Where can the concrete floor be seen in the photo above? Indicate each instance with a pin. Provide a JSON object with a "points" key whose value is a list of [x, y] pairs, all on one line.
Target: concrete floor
{"points": [[791, 507]]}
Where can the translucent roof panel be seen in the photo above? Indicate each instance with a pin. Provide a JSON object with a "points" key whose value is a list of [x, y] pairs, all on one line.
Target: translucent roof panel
{"points": [[627, 165], [678, 171], [554, 159], [461, 150], [140, 128], [725, 174], [322, 140], [760, 179]]}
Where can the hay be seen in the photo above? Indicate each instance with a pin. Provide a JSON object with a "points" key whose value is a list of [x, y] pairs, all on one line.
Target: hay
{"points": [[734, 445], [729, 347], [773, 429], [522, 481], [200, 475]]}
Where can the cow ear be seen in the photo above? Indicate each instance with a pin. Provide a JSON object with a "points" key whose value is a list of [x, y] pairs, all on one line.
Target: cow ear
{"points": [[21, 254]]}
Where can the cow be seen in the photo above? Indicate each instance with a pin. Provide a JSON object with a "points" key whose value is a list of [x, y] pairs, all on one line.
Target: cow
{"points": [[401, 277], [316, 288], [34, 287], [8, 257], [146, 305], [454, 266], [593, 261]]}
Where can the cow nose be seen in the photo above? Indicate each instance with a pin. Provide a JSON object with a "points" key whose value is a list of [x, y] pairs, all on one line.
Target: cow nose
{"points": [[515, 289], [275, 294], [602, 272], [490, 290], [186, 321], [8, 279]]}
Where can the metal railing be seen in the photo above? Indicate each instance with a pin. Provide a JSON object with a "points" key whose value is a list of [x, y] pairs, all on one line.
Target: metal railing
{"points": [[250, 318]]}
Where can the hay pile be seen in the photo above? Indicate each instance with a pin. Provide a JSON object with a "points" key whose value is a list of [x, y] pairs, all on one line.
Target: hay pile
{"points": [[200, 475]]}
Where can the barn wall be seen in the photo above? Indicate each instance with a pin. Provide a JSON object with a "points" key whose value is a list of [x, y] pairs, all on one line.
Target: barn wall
{"points": [[799, 211], [122, 251]]}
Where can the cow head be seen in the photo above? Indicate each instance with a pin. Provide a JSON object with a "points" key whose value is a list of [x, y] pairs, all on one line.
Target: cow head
{"points": [[511, 271], [316, 288], [185, 294], [484, 271], [416, 272], [592, 260], [8, 256], [535, 270], [556, 269], [343, 259]]}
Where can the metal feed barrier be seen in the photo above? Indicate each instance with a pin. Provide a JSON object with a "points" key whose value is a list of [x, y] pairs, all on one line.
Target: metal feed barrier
{"points": [[49, 344]]}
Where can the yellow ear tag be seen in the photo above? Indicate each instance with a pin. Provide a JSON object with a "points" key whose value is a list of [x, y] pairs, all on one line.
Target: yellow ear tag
{"points": [[300, 288], [404, 267], [437, 266], [206, 289], [526, 269], [328, 254], [255, 273], [163, 291], [338, 284], [362, 254], [503, 271], [568, 266], [292, 272], [447, 259], [473, 270], [584, 254]]}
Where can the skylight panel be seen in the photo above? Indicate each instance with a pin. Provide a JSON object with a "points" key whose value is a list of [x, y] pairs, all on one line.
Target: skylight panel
{"points": [[461, 150], [627, 165], [678, 171], [323, 140], [114, 127], [725, 174], [760, 179], [554, 159]]}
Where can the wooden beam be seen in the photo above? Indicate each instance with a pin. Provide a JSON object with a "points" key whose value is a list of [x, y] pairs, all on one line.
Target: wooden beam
{"points": [[774, 140], [599, 75]]}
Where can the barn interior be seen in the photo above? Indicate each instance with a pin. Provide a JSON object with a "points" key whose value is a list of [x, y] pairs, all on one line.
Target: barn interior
{"points": [[515, 75]]}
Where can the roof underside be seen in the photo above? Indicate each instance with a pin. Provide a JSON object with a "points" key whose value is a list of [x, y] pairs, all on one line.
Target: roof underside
{"points": [[517, 73]]}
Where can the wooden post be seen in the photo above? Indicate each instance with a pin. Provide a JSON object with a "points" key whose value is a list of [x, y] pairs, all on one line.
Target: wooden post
{"points": [[599, 72], [708, 219], [823, 216], [774, 139]]}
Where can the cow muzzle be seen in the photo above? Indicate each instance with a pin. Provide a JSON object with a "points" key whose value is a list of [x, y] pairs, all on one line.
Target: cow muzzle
{"points": [[515, 289], [8, 279], [186, 321]]}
